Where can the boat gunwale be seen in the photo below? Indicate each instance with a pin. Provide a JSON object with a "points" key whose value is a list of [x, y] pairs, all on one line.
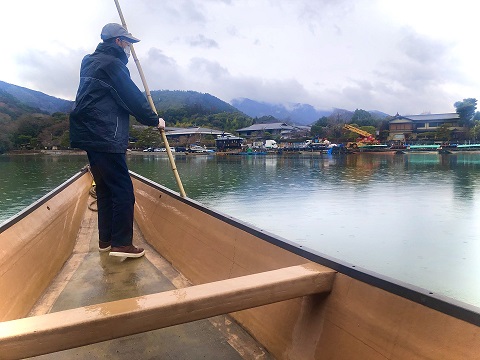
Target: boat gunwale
{"points": [[449, 306], [37, 203]]}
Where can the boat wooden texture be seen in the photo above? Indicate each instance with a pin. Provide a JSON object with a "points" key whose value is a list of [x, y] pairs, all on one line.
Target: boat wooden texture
{"points": [[210, 286]]}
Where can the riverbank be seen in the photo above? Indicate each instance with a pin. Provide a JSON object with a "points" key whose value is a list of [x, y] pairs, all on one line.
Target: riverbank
{"points": [[66, 152], [44, 152]]}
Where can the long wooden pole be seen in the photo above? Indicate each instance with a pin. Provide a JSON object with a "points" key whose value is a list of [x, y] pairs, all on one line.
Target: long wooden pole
{"points": [[152, 105]]}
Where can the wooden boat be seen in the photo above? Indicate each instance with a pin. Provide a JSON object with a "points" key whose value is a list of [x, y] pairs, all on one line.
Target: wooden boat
{"points": [[210, 286]]}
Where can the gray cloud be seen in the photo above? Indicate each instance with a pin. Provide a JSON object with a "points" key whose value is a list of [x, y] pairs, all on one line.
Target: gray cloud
{"points": [[211, 69], [422, 64], [186, 11], [202, 41], [161, 72], [55, 74], [411, 76], [314, 13], [387, 96], [422, 49], [192, 10], [210, 76], [329, 53]]}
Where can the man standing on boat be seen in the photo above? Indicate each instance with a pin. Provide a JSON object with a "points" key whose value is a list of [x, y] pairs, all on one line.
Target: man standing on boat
{"points": [[99, 124]]}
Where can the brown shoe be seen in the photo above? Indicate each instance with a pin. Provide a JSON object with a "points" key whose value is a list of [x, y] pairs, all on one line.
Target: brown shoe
{"points": [[104, 246], [129, 251]]}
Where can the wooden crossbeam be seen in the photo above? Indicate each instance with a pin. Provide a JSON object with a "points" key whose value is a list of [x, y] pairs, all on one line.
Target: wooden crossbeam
{"points": [[91, 324]]}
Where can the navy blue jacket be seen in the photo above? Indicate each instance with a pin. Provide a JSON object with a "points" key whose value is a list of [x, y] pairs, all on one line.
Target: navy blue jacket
{"points": [[105, 98]]}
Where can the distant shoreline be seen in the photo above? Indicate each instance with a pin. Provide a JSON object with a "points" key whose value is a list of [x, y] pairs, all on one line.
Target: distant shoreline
{"points": [[69, 152], [45, 152]]}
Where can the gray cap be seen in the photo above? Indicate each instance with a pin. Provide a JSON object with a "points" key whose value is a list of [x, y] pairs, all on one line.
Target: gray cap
{"points": [[113, 30]]}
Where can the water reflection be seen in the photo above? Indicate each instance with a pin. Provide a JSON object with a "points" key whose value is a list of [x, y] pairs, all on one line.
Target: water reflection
{"points": [[409, 216], [26, 178]]}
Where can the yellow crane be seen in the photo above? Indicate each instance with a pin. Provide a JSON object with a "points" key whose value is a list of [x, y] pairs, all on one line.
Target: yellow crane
{"points": [[365, 139]]}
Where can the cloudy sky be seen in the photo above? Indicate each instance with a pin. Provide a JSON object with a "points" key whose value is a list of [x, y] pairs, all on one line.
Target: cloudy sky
{"points": [[405, 56]]}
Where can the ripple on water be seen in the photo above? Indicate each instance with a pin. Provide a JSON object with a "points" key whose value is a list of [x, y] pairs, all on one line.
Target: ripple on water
{"points": [[409, 218]]}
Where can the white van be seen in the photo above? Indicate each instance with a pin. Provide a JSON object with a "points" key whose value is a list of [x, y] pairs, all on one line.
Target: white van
{"points": [[271, 144]]}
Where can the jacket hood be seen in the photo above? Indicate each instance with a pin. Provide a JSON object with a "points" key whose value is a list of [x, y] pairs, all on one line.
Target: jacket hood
{"points": [[110, 48]]}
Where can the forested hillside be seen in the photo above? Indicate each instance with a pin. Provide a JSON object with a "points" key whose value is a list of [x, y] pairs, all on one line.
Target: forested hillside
{"points": [[36, 99], [191, 108], [12, 108], [194, 101], [23, 126]]}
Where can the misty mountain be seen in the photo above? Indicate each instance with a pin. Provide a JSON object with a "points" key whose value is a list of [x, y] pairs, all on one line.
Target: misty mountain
{"points": [[300, 114], [36, 99]]}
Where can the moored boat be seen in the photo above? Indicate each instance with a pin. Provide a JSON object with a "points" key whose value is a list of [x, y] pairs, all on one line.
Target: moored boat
{"points": [[376, 148], [197, 149], [422, 148], [252, 153], [461, 148], [447, 148], [291, 302]]}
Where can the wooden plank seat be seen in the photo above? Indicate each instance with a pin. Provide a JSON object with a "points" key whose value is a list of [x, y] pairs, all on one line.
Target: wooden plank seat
{"points": [[91, 324]]}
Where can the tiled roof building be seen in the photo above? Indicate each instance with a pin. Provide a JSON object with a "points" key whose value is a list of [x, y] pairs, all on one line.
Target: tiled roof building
{"points": [[413, 126], [258, 130]]}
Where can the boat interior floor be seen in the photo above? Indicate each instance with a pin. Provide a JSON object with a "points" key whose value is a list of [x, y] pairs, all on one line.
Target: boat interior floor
{"points": [[92, 277]]}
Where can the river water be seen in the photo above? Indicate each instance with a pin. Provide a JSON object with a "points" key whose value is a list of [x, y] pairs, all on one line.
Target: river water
{"points": [[412, 217]]}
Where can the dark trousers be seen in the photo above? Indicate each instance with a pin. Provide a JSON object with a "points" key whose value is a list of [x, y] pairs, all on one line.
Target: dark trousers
{"points": [[115, 197]]}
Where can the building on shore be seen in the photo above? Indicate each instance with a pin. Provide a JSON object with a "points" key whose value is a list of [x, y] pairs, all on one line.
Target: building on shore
{"points": [[228, 143], [414, 127], [260, 130], [192, 135]]}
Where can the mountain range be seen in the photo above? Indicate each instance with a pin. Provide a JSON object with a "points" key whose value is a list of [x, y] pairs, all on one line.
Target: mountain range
{"points": [[299, 114], [36, 99]]}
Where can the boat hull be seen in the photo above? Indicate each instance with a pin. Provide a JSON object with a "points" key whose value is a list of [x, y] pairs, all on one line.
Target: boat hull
{"points": [[37, 242], [358, 319], [364, 316]]}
